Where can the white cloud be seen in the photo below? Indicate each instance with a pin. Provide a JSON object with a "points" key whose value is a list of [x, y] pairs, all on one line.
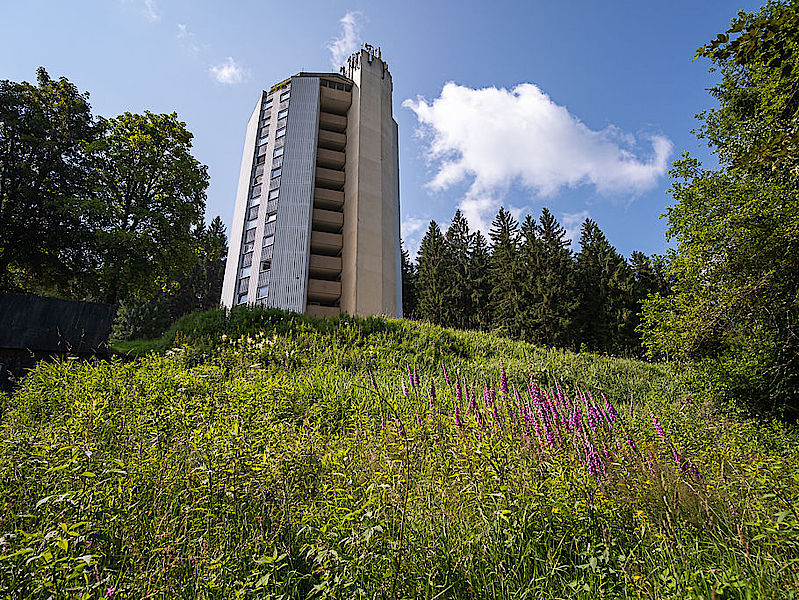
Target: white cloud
{"points": [[413, 228], [228, 72], [494, 138], [188, 39], [572, 222], [348, 42], [149, 9]]}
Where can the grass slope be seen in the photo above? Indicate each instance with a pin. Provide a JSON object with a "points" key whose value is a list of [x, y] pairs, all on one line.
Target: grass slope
{"points": [[271, 455]]}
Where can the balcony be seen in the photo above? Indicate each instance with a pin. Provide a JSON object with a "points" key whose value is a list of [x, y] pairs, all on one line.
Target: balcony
{"points": [[320, 290], [317, 310], [329, 244], [328, 199], [334, 101], [332, 122], [329, 159], [327, 220], [332, 140], [329, 178], [324, 267]]}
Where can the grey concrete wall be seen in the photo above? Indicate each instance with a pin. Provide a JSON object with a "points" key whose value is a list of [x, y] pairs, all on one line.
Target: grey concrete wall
{"points": [[230, 282], [289, 278]]}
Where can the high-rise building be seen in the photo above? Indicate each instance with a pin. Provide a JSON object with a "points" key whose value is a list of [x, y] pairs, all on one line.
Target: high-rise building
{"points": [[316, 223]]}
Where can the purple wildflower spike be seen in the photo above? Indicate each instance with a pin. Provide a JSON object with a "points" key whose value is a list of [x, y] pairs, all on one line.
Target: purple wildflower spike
{"points": [[458, 394], [446, 375], [432, 393], [503, 379], [458, 420], [410, 376], [415, 377], [631, 409], [658, 428], [372, 380], [404, 390]]}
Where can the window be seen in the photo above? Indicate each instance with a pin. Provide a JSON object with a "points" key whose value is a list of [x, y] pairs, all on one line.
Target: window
{"points": [[269, 240], [256, 191], [283, 114], [261, 159], [252, 213], [285, 95], [267, 104], [278, 152], [276, 172], [243, 298], [271, 218], [273, 194], [249, 235], [263, 141], [255, 201], [263, 291], [265, 120], [280, 132], [244, 283], [245, 272], [266, 265], [258, 179], [248, 246], [259, 169], [246, 260]]}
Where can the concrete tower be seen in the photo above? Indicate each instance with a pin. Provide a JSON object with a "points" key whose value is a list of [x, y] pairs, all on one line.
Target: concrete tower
{"points": [[316, 223]]}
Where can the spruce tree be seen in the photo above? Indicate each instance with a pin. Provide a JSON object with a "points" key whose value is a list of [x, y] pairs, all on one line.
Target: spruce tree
{"points": [[458, 297], [555, 280], [505, 297], [409, 293], [604, 282], [479, 282], [432, 280]]}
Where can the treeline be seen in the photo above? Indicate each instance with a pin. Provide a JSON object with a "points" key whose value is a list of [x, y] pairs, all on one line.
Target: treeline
{"points": [[106, 209], [527, 283]]}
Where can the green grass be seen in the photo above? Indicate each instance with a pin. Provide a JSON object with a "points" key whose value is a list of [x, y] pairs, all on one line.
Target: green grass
{"points": [[252, 457]]}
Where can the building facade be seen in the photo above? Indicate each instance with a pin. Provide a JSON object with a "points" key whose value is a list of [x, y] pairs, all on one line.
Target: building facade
{"points": [[316, 223]]}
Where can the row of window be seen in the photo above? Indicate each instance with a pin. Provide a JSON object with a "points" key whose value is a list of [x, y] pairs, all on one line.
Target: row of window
{"points": [[336, 85]]}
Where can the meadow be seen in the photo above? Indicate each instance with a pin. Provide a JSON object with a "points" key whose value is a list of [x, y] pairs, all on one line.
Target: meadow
{"points": [[260, 454]]}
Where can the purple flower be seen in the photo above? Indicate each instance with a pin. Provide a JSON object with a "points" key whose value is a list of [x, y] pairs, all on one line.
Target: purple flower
{"points": [[503, 379], [658, 428], [109, 593], [432, 393], [446, 375], [418, 420], [410, 376], [415, 377], [404, 390], [458, 395]]}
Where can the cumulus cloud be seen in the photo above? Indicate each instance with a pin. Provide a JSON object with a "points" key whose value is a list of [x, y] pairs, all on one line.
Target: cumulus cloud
{"points": [[493, 138], [413, 228], [228, 72], [149, 9], [348, 41], [572, 222]]}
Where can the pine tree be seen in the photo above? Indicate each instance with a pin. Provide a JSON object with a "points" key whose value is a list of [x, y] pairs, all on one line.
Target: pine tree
{"points": [[530, 259], [432, 280], [506, 300]]}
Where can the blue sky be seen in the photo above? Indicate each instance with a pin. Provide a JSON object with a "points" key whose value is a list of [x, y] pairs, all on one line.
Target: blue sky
{"points": [[576, 105]]}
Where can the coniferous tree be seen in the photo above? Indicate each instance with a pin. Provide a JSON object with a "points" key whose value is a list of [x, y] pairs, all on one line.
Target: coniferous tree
{"points": [[555, 280], [409, 293], [506, 299], [432, 276], [604, 282], [458, 296], [479, 281], [530, 259]]}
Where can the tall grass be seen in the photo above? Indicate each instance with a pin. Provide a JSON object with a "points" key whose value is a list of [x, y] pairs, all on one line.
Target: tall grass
{"points": [[275, 456]]}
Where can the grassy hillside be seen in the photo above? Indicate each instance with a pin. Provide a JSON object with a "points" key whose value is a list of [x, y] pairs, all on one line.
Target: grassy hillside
{"points": [[267, 455]]}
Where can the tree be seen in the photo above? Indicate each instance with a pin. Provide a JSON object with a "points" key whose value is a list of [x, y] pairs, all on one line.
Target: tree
{"points": [[733, 316], [604, 287], [555, 283], [409, 283], [505, 297], [153, 193], [479, 281], [432, 280], [199, 288], [47, 160], [459, 309]]}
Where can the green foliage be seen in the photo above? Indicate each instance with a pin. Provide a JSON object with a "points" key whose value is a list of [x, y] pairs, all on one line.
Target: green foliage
{"points": [[153, 191], [505, 297], [47, 215], [195, 290], [258, 460], [735, 312], [431, 281]]}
